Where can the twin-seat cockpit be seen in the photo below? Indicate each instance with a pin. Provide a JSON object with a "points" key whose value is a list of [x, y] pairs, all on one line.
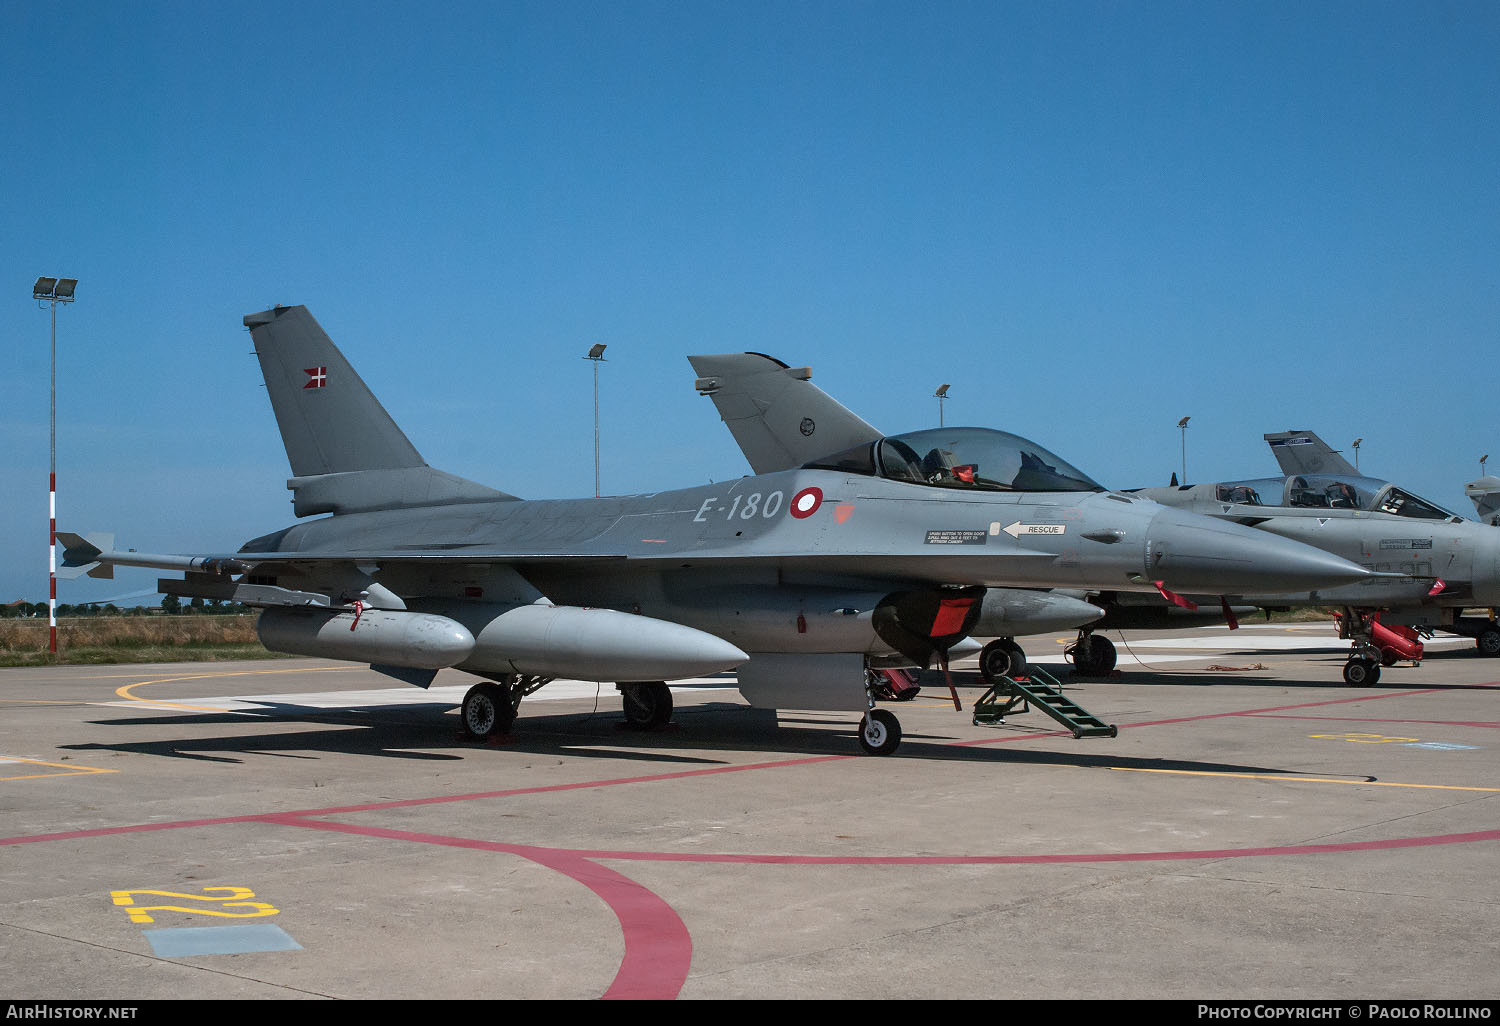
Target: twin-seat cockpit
{"points": [[968, 458], [1328, 491]]}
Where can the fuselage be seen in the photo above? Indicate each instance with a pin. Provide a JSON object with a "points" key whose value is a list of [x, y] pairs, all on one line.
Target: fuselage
{"points": [[792, 561]]}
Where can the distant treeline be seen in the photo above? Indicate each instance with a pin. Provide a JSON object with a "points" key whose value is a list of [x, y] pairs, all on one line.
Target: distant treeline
{"points": [[171, 605]]}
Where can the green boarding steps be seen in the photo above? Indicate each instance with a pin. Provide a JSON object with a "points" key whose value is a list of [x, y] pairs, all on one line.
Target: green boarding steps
{"points": [[1041, 688]]}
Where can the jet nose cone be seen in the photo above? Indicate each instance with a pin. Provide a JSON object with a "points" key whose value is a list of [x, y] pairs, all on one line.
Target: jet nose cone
{"points": [[1189, 552]]}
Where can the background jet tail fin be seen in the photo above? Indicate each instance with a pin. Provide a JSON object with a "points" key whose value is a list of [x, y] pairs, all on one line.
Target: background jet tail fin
{"points": [[778, 417], [1302, 452], [346, 452], [1486, 495]]}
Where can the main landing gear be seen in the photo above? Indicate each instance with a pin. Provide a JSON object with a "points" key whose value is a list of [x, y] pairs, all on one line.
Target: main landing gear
{"points": [[648, 704], [1001, 658], [489, 709], [1093, 655], [1488, 642]]}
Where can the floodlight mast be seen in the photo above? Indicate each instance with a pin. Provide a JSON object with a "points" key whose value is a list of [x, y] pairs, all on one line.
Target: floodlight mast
{"points": [[1182, 424], [941, 394], [53, 291], [596, 353]]}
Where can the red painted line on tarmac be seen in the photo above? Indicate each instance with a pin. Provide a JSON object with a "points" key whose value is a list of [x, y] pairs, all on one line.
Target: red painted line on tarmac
{"points": [[1012, 860], [414, 802], [658, 947]]}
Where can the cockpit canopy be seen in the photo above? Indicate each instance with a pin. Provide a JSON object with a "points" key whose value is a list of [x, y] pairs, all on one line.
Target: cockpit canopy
{"points": [[968, 458], [1328, 491]]}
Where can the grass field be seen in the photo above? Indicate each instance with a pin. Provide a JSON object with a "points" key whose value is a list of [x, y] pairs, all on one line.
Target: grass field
{"points": [[173, 639], [131, 639]]}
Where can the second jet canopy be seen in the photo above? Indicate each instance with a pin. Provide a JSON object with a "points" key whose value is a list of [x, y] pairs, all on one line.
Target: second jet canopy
{"points": [[969, 458]]}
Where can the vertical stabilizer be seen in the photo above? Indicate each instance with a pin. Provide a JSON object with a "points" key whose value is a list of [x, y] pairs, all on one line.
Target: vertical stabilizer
{"points": [[778, 417], [346, 452], [1486, 495], [329, 419], [1302, 452]]}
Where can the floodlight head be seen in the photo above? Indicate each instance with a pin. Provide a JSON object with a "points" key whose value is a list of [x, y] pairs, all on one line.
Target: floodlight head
{"points": [[1183, 422], [596, 352], [1357, 441], [942, 392], [44, 288], [65, 287]]}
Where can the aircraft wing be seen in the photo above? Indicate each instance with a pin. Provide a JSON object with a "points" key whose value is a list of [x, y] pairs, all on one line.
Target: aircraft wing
{"points": [[1302, 452], [303, 578]]}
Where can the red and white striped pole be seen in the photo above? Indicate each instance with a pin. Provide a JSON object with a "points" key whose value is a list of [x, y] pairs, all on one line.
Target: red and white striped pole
{"points": [[54, 291]]}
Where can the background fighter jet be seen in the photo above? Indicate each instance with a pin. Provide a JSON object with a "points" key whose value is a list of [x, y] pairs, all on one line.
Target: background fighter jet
{"points": [[800, 580], [1446, 564]]}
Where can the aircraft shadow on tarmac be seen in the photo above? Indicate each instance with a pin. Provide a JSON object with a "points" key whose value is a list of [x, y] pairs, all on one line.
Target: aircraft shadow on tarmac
{"points": [[412, 732]]}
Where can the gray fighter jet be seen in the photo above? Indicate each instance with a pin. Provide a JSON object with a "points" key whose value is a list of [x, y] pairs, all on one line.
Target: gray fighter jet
{"points": [[1431, 565], [877, 555], [779, 419]]}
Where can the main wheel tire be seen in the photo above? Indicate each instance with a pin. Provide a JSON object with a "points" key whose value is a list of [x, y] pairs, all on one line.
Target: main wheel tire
{"points": [[647, 706], [1093, 656], [486, 711], [1104, 655], [1488, 642], [995, 661], [1017, 657], [879, 732], [1361, 673], [1082, 652]]}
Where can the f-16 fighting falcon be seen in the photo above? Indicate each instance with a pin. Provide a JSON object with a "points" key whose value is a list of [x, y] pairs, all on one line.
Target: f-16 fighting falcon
{"points": [[883, 554], [1432, 565]]}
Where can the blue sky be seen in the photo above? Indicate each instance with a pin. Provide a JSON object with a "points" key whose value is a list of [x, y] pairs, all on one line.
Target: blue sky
{"points": [[1091, 218]]}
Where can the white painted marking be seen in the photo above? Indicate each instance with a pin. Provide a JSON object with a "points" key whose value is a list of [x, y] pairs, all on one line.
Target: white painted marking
{"points": [[1017, 529], [450, 695]]}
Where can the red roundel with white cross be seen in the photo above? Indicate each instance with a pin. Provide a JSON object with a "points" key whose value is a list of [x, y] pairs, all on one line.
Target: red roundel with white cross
{"points": [[806, 502]]}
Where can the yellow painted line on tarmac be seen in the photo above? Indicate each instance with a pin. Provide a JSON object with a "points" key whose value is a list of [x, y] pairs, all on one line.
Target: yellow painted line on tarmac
{"points": [[125, 691], [1304, 780], [67, 771]]}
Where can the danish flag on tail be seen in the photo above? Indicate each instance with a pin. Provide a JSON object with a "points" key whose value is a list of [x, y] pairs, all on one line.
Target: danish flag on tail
{"points": [[317, 377]]}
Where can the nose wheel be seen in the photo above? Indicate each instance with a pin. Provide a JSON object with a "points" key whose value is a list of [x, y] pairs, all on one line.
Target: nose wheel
{"points": [[879, 732], [1362, 673]]}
